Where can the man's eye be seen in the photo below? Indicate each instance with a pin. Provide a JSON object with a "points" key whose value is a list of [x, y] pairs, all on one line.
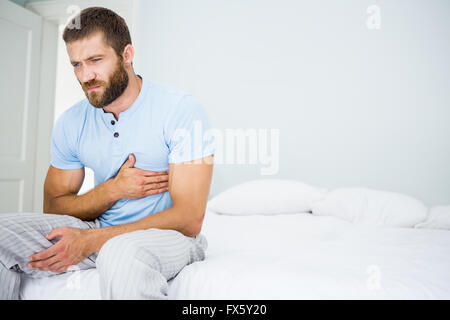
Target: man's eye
{"points": [[76, 65], [95, 60]]}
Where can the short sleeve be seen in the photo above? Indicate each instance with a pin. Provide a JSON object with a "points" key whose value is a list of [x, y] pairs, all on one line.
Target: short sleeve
{"points": [[187, 132], [63, 146]]}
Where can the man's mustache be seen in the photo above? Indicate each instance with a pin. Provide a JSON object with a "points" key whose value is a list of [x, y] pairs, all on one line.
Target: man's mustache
{"points": [[87, 85]]}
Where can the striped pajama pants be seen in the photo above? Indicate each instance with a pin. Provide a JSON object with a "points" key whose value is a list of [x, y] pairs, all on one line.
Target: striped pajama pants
{"points": [[135, 265]]}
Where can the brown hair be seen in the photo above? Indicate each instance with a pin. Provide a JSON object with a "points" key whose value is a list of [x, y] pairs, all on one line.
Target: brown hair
{"points": [[94, 19]]}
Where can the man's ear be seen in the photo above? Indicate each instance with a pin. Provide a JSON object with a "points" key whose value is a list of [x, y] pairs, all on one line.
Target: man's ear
{"points": [[128, 54]]}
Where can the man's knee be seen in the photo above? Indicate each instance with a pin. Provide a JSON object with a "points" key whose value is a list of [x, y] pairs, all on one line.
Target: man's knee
{"points": [[123, 273], [7, 229], [7, 218], [153, 247], [118, 251]]}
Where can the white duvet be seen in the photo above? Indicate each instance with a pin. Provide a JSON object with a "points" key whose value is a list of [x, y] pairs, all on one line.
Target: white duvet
{"points": [[294, 256]]}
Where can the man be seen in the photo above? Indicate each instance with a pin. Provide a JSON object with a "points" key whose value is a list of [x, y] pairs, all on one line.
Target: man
{"points": [[141, 223]]}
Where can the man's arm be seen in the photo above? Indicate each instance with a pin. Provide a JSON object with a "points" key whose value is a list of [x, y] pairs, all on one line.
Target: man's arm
{"points": [[61, 189], [189, 185]]}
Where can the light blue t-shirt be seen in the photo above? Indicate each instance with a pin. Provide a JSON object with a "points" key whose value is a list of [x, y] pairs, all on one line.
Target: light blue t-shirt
{"points": [[162, 126]]}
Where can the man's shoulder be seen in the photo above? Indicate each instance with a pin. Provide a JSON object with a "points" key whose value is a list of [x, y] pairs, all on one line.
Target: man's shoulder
{"points": [[168, 97], [176, 102], [163, 89], [76, 112]]}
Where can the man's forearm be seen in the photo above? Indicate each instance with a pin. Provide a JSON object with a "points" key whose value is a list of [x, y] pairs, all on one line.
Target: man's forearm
{"points": [[86, 207], [174, 218]]}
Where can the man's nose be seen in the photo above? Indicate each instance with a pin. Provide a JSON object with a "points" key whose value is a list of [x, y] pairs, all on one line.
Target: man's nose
{"points": [[86, 74]]}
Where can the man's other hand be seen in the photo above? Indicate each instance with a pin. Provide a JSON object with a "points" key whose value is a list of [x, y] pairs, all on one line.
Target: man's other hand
{"points": [[134, 183], [74, 246]]}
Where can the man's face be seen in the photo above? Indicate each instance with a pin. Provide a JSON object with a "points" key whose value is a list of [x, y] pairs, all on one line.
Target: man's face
{"points": [[99, 70]]}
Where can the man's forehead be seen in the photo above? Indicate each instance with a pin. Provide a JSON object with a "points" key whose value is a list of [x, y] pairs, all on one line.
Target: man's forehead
{"points": [[88, 46]]}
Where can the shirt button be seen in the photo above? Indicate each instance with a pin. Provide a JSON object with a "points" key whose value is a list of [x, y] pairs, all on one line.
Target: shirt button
{"points": [[113, 122], [116, 134]]}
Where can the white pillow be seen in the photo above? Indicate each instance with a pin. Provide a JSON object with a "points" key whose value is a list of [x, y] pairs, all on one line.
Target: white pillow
{"points": [[438, 218], [372, 207], [266, 197]]}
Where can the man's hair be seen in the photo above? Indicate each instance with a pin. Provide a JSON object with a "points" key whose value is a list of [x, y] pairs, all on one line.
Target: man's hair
{"points": [[94, 19]]}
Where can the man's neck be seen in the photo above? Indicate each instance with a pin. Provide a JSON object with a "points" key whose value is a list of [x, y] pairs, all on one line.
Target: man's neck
{"points": [[127, 98]]}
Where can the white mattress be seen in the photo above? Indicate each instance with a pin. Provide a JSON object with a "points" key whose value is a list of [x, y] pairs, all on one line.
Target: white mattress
{"points": [[296, 256]]}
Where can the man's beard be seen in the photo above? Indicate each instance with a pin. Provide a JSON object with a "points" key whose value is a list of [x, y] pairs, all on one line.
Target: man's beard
{"points": [[118, 82]]}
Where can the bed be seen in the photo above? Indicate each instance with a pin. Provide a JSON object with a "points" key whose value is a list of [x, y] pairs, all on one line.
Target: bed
{"points": [[307, 243]]}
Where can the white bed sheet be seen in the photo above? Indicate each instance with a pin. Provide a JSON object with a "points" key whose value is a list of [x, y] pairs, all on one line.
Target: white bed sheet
{"points": [[295, 256]]}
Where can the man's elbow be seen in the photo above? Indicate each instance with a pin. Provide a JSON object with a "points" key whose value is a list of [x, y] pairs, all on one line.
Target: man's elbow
{"points": [[192, 231], [49, 205], [47, 208], [194, 227], [50, 210]]}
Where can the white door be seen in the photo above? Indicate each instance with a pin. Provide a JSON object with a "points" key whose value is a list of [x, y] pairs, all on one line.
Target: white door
{"points": [[20, 37]]}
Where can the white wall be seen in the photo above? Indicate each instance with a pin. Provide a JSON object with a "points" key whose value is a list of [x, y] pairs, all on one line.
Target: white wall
{"points": [[354, 106]]}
